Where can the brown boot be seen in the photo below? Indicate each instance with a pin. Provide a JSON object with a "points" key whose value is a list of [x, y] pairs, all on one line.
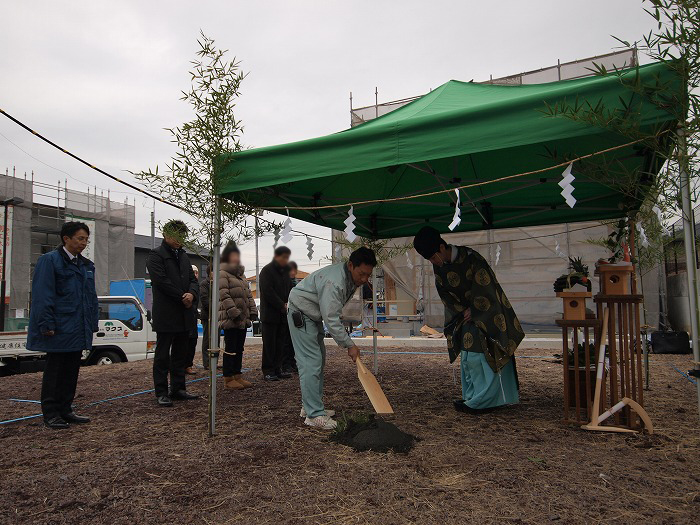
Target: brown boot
{"points": [[245, 383], [232, 384]]}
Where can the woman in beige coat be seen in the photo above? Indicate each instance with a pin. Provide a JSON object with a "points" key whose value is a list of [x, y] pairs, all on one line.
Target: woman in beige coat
{"points": [[237, 310]]}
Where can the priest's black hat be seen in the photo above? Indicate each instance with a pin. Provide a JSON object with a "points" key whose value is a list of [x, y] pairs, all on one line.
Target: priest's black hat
{"points": [[427, 242]]}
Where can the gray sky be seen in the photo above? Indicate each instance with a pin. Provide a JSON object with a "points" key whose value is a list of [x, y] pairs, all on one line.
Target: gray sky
{"points": [[103, 78]]}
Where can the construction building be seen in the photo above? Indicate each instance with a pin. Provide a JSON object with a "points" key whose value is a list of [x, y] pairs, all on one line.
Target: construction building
{"points": [[34, 223]]}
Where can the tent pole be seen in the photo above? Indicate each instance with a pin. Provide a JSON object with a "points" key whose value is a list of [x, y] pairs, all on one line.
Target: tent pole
{"points": [[689, 245], [374, 323], [257, 260], [214, 339]]}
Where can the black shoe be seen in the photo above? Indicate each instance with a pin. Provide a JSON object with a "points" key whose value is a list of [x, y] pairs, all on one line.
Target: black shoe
{"points": [[271, 377], [284, 375], [164, 401], [183, 395], [72, 417], [56, 422], [461, 406]]}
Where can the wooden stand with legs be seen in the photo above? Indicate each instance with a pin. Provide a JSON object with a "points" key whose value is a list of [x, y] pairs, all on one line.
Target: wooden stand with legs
{"points": [[625, 403], [579, 376]]}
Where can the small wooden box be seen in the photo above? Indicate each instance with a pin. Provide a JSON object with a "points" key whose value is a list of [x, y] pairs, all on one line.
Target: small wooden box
{"points": [[615, 278], [574, 305]]}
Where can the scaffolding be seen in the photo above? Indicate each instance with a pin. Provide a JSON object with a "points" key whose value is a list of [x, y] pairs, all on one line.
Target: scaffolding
{"points": [[36, 226], [584, 67]]}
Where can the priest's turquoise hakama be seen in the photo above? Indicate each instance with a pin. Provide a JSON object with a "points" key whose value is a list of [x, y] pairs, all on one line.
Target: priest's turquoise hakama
{"points": [[484, 388]]}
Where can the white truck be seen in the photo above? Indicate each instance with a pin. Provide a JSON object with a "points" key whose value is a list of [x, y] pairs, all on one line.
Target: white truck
{"points": [[124, 334]]}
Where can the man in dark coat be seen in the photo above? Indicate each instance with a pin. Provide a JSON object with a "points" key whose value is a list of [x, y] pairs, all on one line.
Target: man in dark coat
{"points": [[63, 316], [289, 362], [204, 301], [175, 296], [274, 289]]}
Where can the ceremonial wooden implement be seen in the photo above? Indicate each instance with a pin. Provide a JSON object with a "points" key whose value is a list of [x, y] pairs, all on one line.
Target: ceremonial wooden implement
{"points": [[596, 417], [374, 391]]}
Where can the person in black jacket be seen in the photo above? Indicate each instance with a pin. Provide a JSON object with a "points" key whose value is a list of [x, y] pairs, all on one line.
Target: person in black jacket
{"points": [[175, 296], [205, 302], [289, 362], [274, 289]]}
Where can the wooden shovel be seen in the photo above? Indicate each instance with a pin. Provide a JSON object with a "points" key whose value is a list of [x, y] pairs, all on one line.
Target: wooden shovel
{"points": [[374, 391]]}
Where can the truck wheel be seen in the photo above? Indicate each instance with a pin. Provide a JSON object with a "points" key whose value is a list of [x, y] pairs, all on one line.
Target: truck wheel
{"points": [[106, 358]]}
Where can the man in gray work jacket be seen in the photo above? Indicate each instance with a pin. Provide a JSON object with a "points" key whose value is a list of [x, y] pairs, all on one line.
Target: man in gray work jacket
{"points": [[320, 298]]}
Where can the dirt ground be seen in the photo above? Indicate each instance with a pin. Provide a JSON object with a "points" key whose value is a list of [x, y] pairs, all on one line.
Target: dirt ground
{"points": [[137, 463]]}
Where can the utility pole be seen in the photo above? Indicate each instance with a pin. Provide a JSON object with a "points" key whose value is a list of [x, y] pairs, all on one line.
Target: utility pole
{"points": [[153, 227]]}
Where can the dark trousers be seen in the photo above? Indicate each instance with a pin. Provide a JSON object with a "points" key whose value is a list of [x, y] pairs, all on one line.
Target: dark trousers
{"points": [[273, 336], [171, 356], [289, 362], [59, 383], [191, 349], [205, 343], [234, 340]]}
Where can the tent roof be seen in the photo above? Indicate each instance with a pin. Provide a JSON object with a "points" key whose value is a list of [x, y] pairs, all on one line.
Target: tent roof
{"points": [[459, 134]]}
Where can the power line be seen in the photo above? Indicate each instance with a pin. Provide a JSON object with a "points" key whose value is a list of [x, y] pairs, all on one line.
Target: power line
{"points": [[117, 179], [59, 169], [159, 199]]}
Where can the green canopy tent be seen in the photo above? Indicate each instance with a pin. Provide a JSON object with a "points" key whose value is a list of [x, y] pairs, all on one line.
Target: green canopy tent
{"points": [[461, 135], [503, 146]]}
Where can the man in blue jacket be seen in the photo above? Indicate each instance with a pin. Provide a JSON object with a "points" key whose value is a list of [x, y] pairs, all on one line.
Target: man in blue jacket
{"points": [[62, 319]]}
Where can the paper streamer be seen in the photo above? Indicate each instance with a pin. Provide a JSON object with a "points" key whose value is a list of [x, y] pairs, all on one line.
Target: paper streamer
{"points": [[287, 230], [643, 236], [557, 249], [408, 262], [566, 184], [277, 237], [458, 213], [350, 226], [498, 253], [309, 247], [660, 216]]}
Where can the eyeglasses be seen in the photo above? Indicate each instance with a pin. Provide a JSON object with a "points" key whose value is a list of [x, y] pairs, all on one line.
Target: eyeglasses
{"points": [[82, 239]]}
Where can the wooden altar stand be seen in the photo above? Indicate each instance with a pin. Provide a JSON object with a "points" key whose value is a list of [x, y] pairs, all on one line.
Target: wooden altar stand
{"points": [[579, 375], [616, 331]]}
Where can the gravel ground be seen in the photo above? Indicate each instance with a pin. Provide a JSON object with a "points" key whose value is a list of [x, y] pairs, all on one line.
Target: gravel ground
{"points": [[137, 463]]}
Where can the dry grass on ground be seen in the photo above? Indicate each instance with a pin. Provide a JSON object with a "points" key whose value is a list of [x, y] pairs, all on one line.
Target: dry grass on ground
{"points": [[137, 463]]}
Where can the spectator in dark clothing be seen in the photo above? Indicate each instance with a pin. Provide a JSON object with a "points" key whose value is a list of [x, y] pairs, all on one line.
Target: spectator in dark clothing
{"points": [[289, 362], [63, 316], [205, 304], [274, 291], [194, 336], [175, 294]]}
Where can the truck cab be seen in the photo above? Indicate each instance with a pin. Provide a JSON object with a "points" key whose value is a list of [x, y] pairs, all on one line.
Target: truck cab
{"points": [[124, 334]]}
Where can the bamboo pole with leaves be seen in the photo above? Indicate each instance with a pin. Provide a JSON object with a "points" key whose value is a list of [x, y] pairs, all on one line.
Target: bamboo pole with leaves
{"points": [[188, 180]]}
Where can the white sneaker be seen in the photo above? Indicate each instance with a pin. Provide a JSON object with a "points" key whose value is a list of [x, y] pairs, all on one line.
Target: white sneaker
{"points": [[322, 422], [329, 413]]}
